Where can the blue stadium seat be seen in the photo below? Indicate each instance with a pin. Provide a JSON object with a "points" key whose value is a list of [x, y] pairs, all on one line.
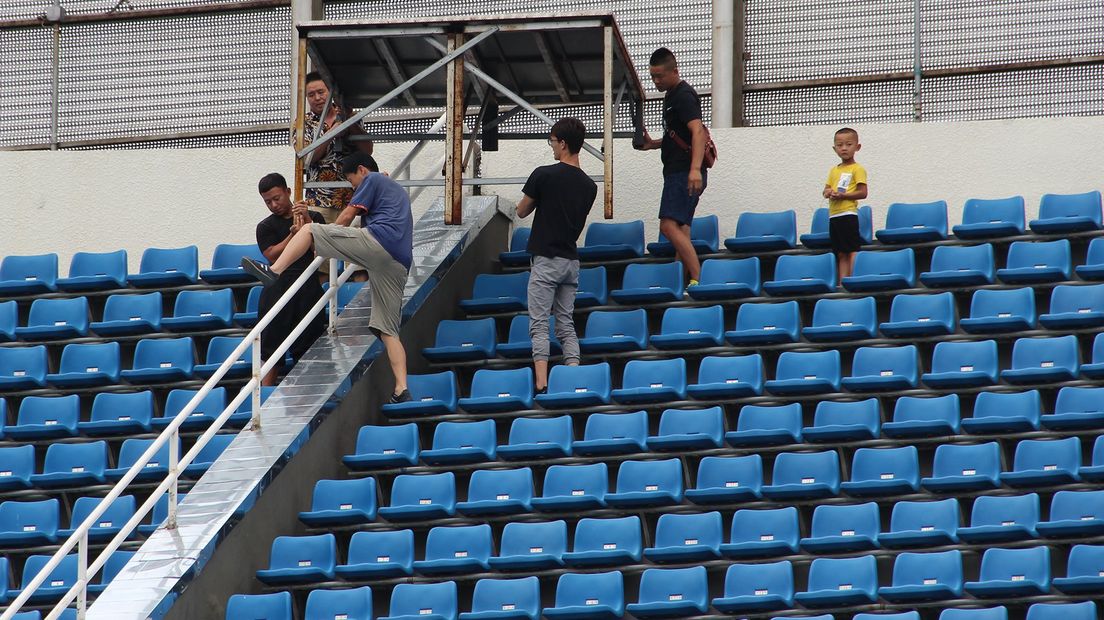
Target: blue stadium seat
{"points": [[431, 394], [1095, 470], [704, 236], [960, 265], [28, 275], [538, 438], [345, 294], [207, 455], [879, 369], [766, 425], [843, 528], [689, 429], [844, 421], [1093, 269], [54, 319], [1095, 370], [498, 293], [499, 390], [588, 596], [647, 483], [463, 340], [575, 386], [993, 217], [727, 278], [925, 577], [672, 592], [1034, 262], [45, 417], [1063, 213], [163, 267], [133, 449], [126, 315], [1000, 311], [9, 320], [762, 533], [613, 241], [1012, 572], [1074, 513], [652, 381], [498, 491], [732, 376], [73, 465], [505, 599], [573, 487], [275, 606], [920, 315], [973, 613], [518, 343], [612, 331], [531, 546], [885, 270], [964, 467], [226, 263], [219, 349], [108, 524], [385, 446], [803, 274], [752, 588], [518, 255], [804, 475], [1002, 519], [613, 433], [162, 360], [16, 467], [606, 542], [1005, 412], [765, 323], [688, 328], [201, 310], [57, 583], [817, 237], [427, 496], [23, 368], [351, 604], [962, 364], [341, 502], [461, 442], [593, 289], [1043, 360], [1084, 572], [763, 232], [815, 372], [379, 554], [645, 283], [28, 524], [837, 320], [1077, 407], [462, 549], [89, 271], [914, 223], [687, 537], [883, 471], [205, 412], [1044, 462], [423, 601], [839, 582], [727, 479], [1075, 307], [111, 568], [922, 524], [248, 318], [1085, 610]]}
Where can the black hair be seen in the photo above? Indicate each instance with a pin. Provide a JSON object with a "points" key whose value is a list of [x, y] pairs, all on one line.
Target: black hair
{"points": [[661, 57], [270, 181], [847, 130], [354, 161], [572, 131], [314, 76]]}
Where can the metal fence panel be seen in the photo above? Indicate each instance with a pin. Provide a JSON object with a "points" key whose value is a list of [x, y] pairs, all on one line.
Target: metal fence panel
{"points": [[25, 105], [876, 102], [1052, 91]]}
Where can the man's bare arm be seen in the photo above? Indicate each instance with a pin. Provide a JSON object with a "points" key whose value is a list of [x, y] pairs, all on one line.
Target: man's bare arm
{"points": [[526, 206], [348, 214]]}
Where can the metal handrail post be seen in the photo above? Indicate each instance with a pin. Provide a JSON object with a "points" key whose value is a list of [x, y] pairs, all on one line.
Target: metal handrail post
{"points": [[174, 475], [333, 301]]}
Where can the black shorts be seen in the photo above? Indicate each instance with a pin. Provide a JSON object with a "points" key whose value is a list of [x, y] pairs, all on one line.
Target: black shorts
{"points": [[289, 317], [676, 203], [843, 231]]}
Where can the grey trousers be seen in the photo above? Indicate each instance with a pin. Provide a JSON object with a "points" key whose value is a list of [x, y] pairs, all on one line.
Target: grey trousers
{"points": [[552, 286]]}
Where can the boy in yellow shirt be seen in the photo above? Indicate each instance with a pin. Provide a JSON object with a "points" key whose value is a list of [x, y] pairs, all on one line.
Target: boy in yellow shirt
{"points": [[846, 186]]}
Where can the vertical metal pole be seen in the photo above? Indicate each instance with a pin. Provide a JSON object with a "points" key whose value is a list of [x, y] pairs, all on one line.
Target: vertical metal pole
{"points": [[607, 118], [299, 123], [739, 64], [454, 133], [723, 49], [82, 576], [255, 421], [333, 300], [917, 102], [55, 96], [174, 475]]}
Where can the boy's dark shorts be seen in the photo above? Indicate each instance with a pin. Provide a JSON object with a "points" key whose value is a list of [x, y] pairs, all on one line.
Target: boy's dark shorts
{"points": [[843, 231], [676, 203]]}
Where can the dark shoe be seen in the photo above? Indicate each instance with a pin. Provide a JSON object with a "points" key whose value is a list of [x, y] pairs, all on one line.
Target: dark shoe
{"points": [[401, 397], [543, 390], [259, 270]]}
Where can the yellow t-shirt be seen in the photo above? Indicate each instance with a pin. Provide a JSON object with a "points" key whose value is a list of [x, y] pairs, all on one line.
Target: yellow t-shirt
{"points": [[855, 174]]}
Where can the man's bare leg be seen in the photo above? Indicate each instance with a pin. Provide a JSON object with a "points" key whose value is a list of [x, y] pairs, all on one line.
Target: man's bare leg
{"points": [[271, 378], [679, 236], [295, 249], [540, 374], [396, 355]]}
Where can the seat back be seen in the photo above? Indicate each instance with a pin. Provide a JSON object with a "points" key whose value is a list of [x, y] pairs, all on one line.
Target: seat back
{"points": [[677, 530], [732, 368], [622, 533], [611, 323], [146, 306], [413, 599], [275, 606], [500, 485], [465, 541], [585, 377], [520, 595], [966, 460], [770, 417], [885, 361], [708, 422], [171, 260], [964, 257], [94, 357], [133, 449], [555, 431], [593, 280], [641, 476], [500, 383], [1085, 610], [653, 275], [939, 307], [886, 262], [230, 255], [210, 452], [617, 233], [675, 584], [40, 267], [470, 333], [1071, 205], [915, 215], [217, 303], [18, 461], [807, 468], [371, 547], [412, 489], [434, 386], [1080, 399], [164, 352], [853, 520], [775, 524], [1003, 303], [580, 590], [1048, 454], [64, 574], [655, 373], [1009, 404], [211, 405], [50, 411], [1055, 352], [994, 210], [707, 320], [859, 574], [806, 266], [1006, 510], [811, 365], [919, 569], [117, 514], [870, 464], [1085, 561], [841, 312], [351, 604], [354, 493], [1016, 564], [90, 457], [1034, 254], [732, 271], [85, 264], [924, 516], [702, 228], [777, 224], [1095, 254], [565, 480], [520, 539], [488, 285], [122, 406], [1077, 299], [784, 316], [23, 362], [720, 472], [754, 579], [55, 312], [519, 240], [616, 426], [220, 347], [979, 356], [478, 434], [401, 439], [32, 516], [848, 413]]}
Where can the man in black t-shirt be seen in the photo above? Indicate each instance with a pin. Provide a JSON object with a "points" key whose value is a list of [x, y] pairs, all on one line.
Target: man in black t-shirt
{"points": [[273, 234], [684, 177], [562, 195]]}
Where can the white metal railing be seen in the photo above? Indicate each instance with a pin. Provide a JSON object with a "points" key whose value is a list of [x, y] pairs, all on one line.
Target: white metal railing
{"points": [[177, 463]]}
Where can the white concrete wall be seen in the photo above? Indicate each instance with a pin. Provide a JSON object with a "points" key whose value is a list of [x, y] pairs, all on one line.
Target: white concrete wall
{"points": [[104, 200]]}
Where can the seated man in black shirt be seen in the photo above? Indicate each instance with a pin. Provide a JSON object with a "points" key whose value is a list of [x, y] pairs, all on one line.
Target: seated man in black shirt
{"points": [[273, 234], [562, 195]]}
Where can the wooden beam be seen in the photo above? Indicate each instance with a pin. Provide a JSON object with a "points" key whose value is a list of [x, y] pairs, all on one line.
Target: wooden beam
{"points": [[607, 119], [454, 133]]}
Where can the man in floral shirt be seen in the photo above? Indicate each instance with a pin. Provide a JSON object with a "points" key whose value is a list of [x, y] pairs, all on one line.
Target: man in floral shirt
{"points": [[324, 164]]}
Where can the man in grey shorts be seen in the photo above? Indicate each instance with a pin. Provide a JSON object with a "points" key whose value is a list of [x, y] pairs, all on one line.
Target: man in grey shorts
{"points": [[382, 244], [562, 195]]}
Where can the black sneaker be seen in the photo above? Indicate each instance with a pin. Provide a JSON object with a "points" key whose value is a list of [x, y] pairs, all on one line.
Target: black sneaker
{"points": [[543, 390], [401, 397], [259, 270]]}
